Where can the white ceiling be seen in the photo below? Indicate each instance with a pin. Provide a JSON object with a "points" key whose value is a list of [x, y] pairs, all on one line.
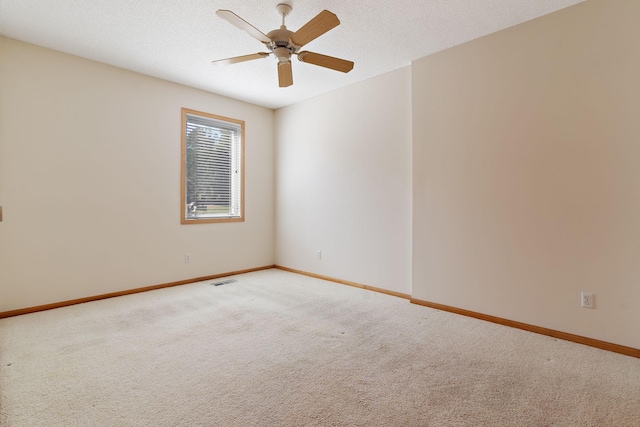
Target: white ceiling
{"points": [[176, 40]]}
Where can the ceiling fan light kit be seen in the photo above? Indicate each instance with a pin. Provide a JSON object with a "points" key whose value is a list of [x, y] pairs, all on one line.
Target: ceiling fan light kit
{"points": [[284, 43]]}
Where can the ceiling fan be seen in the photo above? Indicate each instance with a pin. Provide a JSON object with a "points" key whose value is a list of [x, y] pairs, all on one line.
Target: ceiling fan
{"points": [[284, 43]]}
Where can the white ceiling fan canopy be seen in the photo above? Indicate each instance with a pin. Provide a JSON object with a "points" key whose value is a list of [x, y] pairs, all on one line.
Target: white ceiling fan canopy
{"points": [[284, 9]]}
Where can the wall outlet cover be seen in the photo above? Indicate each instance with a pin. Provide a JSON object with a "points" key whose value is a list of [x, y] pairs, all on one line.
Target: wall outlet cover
{"points": [[586, 300]]}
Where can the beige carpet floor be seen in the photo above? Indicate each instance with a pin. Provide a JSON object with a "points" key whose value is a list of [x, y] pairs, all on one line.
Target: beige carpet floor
{"points": [[279, 349]]}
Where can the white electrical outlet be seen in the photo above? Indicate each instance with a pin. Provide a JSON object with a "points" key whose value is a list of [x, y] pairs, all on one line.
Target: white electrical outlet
{"points": [[319, 254], [187, 257], [586, 300]]}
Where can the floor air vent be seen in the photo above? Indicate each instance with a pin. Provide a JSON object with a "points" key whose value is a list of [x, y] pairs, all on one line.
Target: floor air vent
{"points": [[224, 282]]}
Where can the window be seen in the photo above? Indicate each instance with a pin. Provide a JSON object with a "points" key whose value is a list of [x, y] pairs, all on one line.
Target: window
{"points": [[212, 168]]}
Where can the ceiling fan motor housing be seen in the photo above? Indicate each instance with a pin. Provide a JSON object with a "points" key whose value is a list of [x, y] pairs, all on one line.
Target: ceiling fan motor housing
{"points": [[281, 44]]}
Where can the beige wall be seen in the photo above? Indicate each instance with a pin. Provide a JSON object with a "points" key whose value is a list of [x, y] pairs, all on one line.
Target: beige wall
{"points": [[90, 181], [344, 183], [525, 177], [526, 160]]}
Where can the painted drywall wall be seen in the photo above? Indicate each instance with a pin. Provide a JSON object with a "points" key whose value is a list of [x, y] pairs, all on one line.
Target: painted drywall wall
{"points": [[90, 181], [343, 183], [526, 173], [1, 122]]}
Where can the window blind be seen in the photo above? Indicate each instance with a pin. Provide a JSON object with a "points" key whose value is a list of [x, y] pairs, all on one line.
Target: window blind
{"points": [[213, 162]]}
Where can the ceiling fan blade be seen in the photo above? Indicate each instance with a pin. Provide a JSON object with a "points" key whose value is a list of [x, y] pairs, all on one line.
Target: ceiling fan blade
{"points": [[285, 76], [234, 19], [326, 61], [323, 22], [242, 58]]}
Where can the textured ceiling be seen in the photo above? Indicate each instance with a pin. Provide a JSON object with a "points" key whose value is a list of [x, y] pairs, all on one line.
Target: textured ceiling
{"points": [[176, 40]]}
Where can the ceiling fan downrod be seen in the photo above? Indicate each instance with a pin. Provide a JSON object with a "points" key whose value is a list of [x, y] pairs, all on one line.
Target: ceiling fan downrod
{"points": [[283, 9]]}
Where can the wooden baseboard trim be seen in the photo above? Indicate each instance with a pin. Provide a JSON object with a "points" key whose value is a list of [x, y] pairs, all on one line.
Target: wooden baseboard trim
{"points": [[346, 282], [603, 345], [122, 293]]}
